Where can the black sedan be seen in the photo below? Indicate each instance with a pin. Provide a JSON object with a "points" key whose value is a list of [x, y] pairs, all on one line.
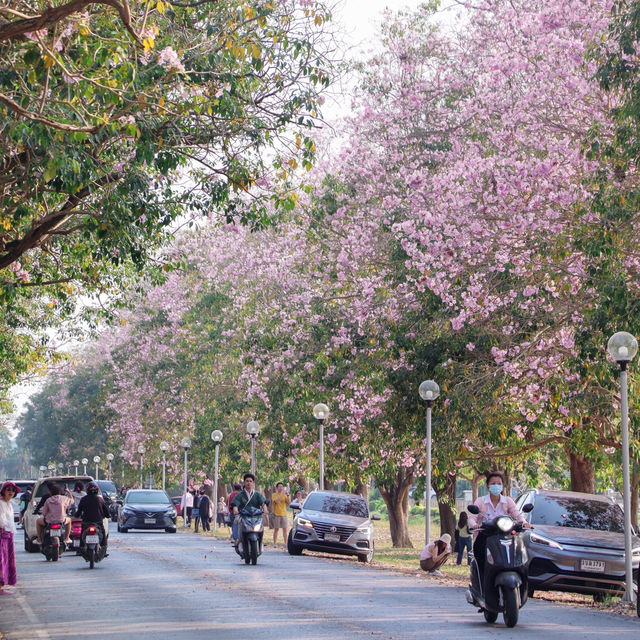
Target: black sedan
{"points": [[147, 509]]}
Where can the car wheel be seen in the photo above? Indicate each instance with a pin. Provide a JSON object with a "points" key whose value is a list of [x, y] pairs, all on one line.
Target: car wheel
{"points": [[119, 528], [293, 548], [123, 530], [367, 557], [28, 545], [530, 592], [171, 530]]}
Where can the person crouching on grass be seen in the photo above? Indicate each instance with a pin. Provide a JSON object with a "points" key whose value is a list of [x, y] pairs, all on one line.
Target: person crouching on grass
{"points": [[435, 554]]}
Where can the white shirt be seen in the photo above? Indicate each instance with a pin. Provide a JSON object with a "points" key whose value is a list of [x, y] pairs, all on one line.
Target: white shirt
{"points": [[189, 500], [6, 517]]}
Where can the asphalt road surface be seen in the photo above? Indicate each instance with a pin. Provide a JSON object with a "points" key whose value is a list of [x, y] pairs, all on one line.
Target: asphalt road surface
{"points": [[180, 586]]}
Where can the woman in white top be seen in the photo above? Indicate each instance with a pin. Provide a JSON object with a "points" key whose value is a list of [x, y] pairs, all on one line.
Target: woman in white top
{"points": [[8, 575]]}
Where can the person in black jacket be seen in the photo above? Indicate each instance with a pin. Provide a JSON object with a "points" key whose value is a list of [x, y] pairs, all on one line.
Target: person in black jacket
{"points": [[92, 509], [205, 510]]}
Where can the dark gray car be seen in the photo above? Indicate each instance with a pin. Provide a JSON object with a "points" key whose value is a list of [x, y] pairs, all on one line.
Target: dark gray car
{"points": [[577, 544], [333, 522]]}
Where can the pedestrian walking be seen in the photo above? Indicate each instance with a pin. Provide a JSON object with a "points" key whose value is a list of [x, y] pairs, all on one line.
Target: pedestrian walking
{"points": [[465, 539], [280, 500], [8, 574], [187, 506], [223, 512], [195, 510], [205, 510]]}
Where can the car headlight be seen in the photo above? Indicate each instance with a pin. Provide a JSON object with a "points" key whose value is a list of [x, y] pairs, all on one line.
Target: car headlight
{"points": [[365, 530], [536, 538], [303, 522], [171, 513], [504, 523]]}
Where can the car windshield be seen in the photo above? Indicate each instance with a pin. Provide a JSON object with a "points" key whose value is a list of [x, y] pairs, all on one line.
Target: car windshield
{"points": [[43, 489], [147, 497], [345, 505], [107, 487], [578, 513]]}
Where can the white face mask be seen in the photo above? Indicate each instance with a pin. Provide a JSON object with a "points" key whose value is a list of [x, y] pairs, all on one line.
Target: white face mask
{"points": [[495, 489]]}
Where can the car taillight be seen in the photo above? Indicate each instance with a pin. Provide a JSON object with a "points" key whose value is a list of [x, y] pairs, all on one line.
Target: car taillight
{"points": [[55, 526], [91, 529]]}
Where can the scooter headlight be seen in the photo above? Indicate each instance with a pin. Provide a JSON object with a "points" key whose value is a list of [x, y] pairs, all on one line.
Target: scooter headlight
{"points": [[504, 524]]}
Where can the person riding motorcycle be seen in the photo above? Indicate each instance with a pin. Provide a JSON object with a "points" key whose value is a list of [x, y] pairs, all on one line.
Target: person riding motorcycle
{"points": [[54, 510], [491, 506], [92, 509], [249, 497]]}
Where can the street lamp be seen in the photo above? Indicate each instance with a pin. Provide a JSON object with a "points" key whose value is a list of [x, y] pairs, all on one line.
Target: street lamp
{"points": [[52, 469], [622, 348], [428, 391], [110, 458], [141, 451], [186, 445], [43, 470], [123, 455], [75, 464], [253, 429], [60, 468], [164, 447], [84, 461], [96, 459], [216, 436], [321, 413]]}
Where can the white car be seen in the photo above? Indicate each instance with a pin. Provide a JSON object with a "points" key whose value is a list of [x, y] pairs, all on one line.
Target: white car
{"points": [[39, 490]]}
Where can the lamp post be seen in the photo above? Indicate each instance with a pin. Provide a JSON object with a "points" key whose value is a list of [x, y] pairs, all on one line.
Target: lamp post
{"points": [[43, 470], [186, 445], [141, 451], [622, 348], [96, 459], [68, 464], [164, 447], [84, 461], [75, 464], [253, 429], [123, 455], [216, 436], [60, 468], [321, 413], [428, 391], [110, 458], [52, 469]]}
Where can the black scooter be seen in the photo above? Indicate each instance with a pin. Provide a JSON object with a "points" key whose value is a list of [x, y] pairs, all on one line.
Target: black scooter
{"points": [[501, 585], [250, 533], [53, 545], [92, 545]]}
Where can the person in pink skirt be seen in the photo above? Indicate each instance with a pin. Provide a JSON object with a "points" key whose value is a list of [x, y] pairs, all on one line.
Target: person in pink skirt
{"points": [[8, 575]]}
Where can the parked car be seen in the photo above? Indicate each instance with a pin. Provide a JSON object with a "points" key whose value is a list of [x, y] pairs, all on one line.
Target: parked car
{"points": [[177, 503], [24, 485], [147, 509], [333, 522], [577, 543], [111, 497], [40, 489]]}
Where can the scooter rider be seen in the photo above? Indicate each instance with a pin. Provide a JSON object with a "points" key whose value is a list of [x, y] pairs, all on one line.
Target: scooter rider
{"points": [[491, 506], [249, 497], [92, 509]]}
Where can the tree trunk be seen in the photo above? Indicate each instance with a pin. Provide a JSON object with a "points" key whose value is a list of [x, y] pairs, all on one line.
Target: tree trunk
{"points": [[446, 504], [396, 497], [475, 483], [363, 488], [583, 475], [507, 482]]}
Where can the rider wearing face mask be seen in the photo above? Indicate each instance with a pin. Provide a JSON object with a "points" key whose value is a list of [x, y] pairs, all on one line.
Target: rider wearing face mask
{"points": [[491, 506]]}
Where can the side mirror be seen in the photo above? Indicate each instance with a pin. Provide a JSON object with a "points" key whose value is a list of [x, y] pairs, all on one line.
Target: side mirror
{"points": [[528, 508], [295, 506], [472, 508], [375, 516]]}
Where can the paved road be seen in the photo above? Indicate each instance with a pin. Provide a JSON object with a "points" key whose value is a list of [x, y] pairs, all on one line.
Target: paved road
{"points": [[157, 585]]}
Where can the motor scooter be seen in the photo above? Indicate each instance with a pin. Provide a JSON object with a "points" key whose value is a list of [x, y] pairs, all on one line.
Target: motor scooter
{"points": [[250, 533], [53, 545], [500, 581], [92, 547]]}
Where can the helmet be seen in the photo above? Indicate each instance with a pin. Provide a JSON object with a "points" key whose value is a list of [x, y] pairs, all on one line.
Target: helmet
{"points": [[92, 487]]}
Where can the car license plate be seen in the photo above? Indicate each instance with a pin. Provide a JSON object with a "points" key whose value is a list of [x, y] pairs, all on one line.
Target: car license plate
{"points": [[332, 537], [596, 566], [76, 543], [55, 533], [92, 539], [149, 520]]}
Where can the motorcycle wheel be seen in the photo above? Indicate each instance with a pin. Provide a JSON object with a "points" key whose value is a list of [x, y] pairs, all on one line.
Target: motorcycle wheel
{"points": [[92, 558], [511, 606], [490, 616], [253, 551]]}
